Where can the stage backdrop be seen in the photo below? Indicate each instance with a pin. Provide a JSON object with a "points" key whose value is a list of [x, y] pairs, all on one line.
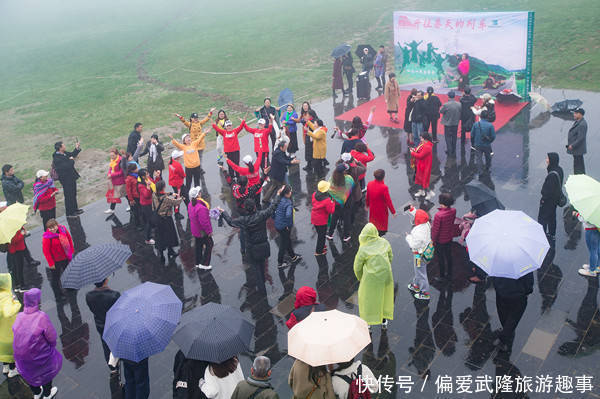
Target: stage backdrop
{"points": [[429, 47]]}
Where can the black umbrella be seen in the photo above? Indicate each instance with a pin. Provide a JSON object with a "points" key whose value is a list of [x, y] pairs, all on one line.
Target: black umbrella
{"points": [[483, 199], [94, 264], [566, 106], [340, 50], [360, 50], [217, 333]]}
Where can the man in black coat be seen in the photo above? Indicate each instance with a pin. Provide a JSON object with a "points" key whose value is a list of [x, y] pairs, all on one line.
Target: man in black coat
{"points": [[64, 164], [576, 142], [12, 186], [348, 69], [511, 302], [100, 300], [467, 117], [265, 112], [551, 193], [279, 166], [134, 138], [432, 111], [254, 228]]}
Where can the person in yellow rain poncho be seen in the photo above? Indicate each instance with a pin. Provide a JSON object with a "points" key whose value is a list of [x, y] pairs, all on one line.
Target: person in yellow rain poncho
{"points": [[373, 269], [9, 307]]}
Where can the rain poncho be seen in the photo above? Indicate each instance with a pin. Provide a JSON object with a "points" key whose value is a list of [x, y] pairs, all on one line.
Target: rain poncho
{"points": [[34, 344], [9, 307], [373, 268]]}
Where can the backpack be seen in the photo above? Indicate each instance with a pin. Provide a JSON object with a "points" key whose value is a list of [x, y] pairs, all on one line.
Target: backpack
{"points": [[53, 172], [4, 247], [356, 384], [562, 200]]}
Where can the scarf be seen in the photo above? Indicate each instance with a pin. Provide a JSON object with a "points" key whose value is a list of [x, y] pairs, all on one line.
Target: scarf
{"points": [[62, 238], [114, 163], [288, 115], [152, 185], [39, 189], [153, 152]]}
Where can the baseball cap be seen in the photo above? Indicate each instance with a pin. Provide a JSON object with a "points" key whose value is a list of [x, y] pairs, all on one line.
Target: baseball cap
{"points": [[247, 159], [579, 111], [194, 115], [41, 173], [323, 186], [261, 121], [346, 157], [194, 192], [176, 154]]}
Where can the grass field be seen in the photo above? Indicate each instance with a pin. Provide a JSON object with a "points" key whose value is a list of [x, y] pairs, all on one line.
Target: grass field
{"points": [[79, 69]]}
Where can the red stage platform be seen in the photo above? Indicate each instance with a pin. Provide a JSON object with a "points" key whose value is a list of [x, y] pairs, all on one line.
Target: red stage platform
{"points": [[504, 112]]}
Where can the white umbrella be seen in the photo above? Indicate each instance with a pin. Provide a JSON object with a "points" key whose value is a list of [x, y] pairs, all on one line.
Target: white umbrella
{"points": [[328, 337]]}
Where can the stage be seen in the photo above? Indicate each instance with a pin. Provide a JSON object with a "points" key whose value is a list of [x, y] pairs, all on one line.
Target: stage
{"points": [[504, 112]]}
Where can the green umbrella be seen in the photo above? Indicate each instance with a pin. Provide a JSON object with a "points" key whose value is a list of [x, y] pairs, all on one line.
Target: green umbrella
{"points": [[584, 195]]}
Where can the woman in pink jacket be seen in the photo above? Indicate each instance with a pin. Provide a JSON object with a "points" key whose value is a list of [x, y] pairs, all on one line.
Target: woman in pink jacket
{"points": [[116, 177], [201, 228]]}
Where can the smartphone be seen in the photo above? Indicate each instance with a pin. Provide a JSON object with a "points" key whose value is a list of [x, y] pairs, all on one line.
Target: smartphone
{"points": [[406, 207]]}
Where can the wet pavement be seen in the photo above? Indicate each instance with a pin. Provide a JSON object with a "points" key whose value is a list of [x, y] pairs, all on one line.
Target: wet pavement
{"points": [[449, 336]]}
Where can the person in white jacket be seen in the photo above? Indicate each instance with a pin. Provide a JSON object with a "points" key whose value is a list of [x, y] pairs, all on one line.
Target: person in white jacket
{"points": [[346, 372], [220, 380], [418, 239]]}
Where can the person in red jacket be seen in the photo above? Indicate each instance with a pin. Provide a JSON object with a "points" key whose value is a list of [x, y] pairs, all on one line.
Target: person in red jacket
{"points": [[322, 207], [133, 194], [422, 160], [15, 260], [144, 186], [306, 303], [44, 196], [442, 233], [176, 179], [57, 246], [364, 155], [261, 140], [251, 171], [231, 145], [379, 202]]}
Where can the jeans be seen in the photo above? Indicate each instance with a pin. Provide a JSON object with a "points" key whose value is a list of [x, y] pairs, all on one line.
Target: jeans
{"points": [[480, 151], [592, 239], [192, 174], [578, 165], [137, 379], [510, 311], [444, 254], [417, 129], [349, 79], [420, 279], [450, 133], [203, 247], [285, 245], [321, 231]]}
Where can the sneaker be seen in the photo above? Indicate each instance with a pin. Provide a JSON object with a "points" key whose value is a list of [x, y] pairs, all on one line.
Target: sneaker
{"points": [[588, 273], [13, 373], [384, 325], [585, 266], [204, 267], [150, 242], [109, 211], [414, 288], [5, 369], [430, 195], [422, 295], [420, 193], [322, 253], [329, 237], [53, 392], [39, 395], [296, 258], [128, 209], [283, 265], [346, 239]]}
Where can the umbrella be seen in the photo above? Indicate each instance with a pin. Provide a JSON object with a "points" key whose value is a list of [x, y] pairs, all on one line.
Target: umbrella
{"points": [[328, 337], [483, 199], [340, 50], [286, 96], [360, 48], [217, 333], [142, 321], [94, 264], [11, 220], [566, 106], [507, 244], [584, 195]]}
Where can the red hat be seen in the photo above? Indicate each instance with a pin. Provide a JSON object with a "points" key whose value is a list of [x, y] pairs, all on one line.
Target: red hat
{"points": [[421, 217]]}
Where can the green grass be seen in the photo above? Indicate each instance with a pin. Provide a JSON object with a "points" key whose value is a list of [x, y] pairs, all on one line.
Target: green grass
{"points": [[70, 69]]}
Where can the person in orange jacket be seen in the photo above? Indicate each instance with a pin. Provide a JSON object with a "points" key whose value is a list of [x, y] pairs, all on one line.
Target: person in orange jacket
{"points": [[195, 126]]}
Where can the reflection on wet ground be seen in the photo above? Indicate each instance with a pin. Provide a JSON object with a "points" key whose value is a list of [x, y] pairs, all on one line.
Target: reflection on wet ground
{"points": [[451, 335]]}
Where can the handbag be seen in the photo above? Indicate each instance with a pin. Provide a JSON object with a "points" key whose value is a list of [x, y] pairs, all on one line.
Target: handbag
{"points": [[155, 219], [562, 199], [428, 252]]}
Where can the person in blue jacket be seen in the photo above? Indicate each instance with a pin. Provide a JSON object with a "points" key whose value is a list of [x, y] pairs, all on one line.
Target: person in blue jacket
{"points": [[482, 136], [284, 221]]}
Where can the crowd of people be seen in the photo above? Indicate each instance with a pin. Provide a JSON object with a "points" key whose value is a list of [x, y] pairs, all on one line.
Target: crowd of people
{"points": [[259, 184]]}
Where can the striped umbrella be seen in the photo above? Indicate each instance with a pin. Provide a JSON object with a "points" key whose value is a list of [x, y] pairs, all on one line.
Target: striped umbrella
{"points": [[217, 333], [94, 264], [142, 321]]}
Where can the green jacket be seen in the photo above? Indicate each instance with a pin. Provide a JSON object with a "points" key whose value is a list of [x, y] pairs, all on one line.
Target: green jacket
{"points": [[373, 269], [248, 387]]}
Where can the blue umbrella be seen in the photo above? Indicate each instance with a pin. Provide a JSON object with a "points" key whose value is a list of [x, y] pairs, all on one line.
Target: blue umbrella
{"points": [[142, 321], [285, 97], [340, 50], [507, 244], [217, 333], [94, 264]]}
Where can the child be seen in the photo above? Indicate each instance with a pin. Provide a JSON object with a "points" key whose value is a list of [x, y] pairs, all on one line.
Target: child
{"points": [[176, 177], [284, 221], [322, 207], [418, 239], [15, 259], [133, 194]]}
